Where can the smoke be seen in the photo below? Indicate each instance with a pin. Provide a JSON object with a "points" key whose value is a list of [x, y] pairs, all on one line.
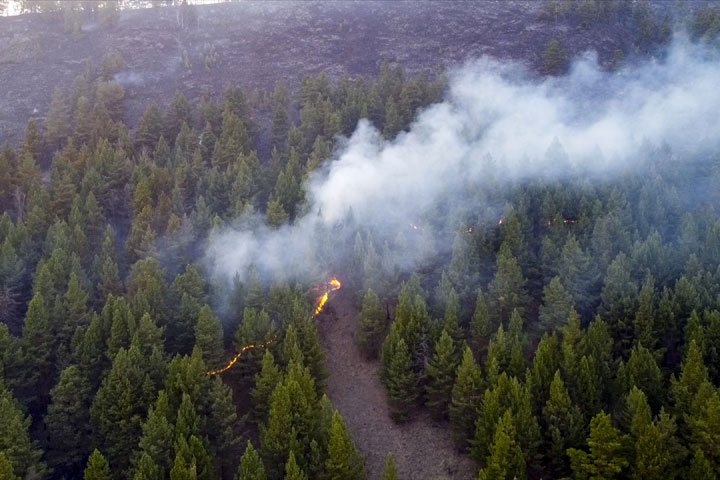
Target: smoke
{"points": [[129, 79], [497, 123]]}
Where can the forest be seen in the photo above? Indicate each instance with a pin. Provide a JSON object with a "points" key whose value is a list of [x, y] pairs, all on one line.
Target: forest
{"points": [[559, 326]]}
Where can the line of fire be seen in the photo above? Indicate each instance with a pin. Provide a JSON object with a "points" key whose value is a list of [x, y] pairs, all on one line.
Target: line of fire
{"points": [[326, 287]]}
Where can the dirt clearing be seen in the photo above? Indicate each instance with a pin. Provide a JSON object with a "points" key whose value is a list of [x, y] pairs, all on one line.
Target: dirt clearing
{"points": [[422, 448]]}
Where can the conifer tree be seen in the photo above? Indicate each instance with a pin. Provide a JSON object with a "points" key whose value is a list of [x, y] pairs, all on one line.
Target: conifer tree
{"points": [[556, 306], [15, 443], [506, 460], [440, 375], [6, 468], [480, 325], [68, 422], [701, 468], [390, 472], [506, 291], [147, 469], [221, 424], [293, 470], [371, 325], [251, 466], [209, 338], [97, 467], [37, 353], [401, 382], [344, 462], [465, 399], [156, 441], [563, 426], [692, 376], [119, 406], [452, 317], [606, 458], [265, 382]]}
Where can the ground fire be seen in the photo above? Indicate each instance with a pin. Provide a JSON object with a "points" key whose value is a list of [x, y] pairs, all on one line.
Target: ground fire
{"points": [[330, 286]]}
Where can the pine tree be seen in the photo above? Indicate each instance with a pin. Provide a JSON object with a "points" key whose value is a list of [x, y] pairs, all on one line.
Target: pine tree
{"points": [[119, 406], [293, 470], [57, 124], [606, 459], [224, 446], [265, 382], [506, 291], [452, 317], [643, 372], [440, 376], [156, 441], [15, 443], [556, 306], [68, 422], [37, 353], [644, 317], [344, 462], [251, 466], [371, 325], [390, 472], [6, 468], [465, 399], [147, 469], [506, 460], [692, 375], [564, 426], [555, 62], [701, 468], [705, 425], [480, 326], [209, 338], [97, 467], [401, 382]]}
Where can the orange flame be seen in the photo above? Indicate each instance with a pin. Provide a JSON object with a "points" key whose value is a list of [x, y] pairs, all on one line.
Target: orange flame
{"points": [[242, 350], [331, 286], [500, 222]]}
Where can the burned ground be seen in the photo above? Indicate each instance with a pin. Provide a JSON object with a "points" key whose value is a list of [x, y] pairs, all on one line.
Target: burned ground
{"points": [[256, 44]]}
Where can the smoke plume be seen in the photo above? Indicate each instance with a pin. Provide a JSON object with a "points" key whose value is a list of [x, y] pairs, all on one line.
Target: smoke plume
{"points": [[498, 121]]}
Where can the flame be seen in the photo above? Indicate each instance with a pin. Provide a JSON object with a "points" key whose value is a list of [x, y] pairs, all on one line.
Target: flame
{"points": [[331, 286], [469, 229], [500, 222], [242, 350]]}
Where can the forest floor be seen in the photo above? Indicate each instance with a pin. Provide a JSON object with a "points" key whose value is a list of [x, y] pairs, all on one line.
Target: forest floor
{"points": [[422, 447]]}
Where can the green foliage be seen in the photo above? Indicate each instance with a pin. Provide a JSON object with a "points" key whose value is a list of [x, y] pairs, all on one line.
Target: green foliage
{"points": [[68, 421], [97, 467], [16, 447], [606, 458], [371, 325], [440, 375], [390, 472], [400, 379], [465, 399], [251, 466], [344, 462]]}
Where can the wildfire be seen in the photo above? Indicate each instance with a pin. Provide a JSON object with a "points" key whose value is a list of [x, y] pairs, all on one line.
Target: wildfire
{"points": [[330, 286], [242, 350], [500, 222]]}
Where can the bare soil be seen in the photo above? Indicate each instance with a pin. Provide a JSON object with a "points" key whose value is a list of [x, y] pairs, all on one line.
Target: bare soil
{"points": [[422, 447], [258, 43]]}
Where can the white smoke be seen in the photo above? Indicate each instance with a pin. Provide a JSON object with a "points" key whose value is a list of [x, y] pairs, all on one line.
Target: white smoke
{"points": [[497, 119]]}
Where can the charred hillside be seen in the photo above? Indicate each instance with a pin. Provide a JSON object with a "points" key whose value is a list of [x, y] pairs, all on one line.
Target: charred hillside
{"points": [[256, 44]]}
